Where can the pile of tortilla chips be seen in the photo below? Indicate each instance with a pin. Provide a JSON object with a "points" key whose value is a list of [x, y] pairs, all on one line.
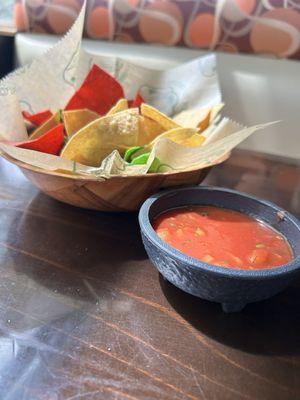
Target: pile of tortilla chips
{"points": [[99, 120]]}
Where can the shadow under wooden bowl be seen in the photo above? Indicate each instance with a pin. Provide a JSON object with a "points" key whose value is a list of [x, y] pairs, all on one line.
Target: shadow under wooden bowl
{"points": [[118, 193]]}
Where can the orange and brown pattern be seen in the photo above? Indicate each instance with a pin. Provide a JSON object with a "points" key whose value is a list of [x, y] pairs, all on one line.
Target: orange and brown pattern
{"points": [[269, 27]]}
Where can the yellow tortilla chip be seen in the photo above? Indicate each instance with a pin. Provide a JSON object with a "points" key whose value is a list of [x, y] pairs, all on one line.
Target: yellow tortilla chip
{"points": [[199, 118], [148, 130], [45, 127], [203, 123], [74, 120], [188, 137], [151, 112], [196, 140], [121, 105], [97, 140]]}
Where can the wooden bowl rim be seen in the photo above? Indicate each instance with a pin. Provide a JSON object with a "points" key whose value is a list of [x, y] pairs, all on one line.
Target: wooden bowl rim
{"points": [[32, 168]]}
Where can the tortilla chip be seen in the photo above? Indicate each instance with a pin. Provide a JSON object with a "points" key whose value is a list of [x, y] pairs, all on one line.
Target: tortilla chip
{"points": [[50, 142], [98, 92], [97, 140], [37, 119], [137, 101], [148, 130], [188, 137], [162, 119], [45, 127], [121, 105], [74, 120], [199, 118], [196, 140], [203, 124]]}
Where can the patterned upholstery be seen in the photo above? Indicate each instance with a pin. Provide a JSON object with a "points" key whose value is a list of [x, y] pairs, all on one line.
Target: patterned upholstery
{"points": [[269, 27]]}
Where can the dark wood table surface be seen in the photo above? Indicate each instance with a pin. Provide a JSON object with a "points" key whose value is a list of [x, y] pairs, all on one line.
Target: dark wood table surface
{"points": [[84, 314]]}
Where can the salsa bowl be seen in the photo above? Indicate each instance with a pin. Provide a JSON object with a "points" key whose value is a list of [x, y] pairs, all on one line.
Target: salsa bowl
{"points": [[231, 287]]}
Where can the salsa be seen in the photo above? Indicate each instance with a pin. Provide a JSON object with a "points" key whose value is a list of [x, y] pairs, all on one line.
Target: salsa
{"points": [[223, 237]]}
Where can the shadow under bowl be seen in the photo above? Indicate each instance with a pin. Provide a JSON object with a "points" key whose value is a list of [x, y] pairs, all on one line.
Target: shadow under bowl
{"points": [[231, 287]]}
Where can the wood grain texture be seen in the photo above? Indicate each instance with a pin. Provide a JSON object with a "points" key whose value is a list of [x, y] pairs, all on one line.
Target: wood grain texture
{"points": [[84, 315], [119, 194]]}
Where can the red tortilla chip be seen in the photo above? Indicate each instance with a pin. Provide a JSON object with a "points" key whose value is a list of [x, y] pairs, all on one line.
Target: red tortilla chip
{"points": [[38, 118], [98, 92], [50, 142], [137, 101]]}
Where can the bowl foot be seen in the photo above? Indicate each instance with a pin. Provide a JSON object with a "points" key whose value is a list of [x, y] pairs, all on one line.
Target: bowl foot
{"points": [[232, 307]]}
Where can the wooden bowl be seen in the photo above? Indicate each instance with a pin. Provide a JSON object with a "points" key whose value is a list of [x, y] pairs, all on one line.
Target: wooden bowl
{"points": [[118, 193]]}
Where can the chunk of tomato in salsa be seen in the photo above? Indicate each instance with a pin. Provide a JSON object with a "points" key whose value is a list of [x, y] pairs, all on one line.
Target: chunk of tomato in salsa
{"points": [[223, 237]]}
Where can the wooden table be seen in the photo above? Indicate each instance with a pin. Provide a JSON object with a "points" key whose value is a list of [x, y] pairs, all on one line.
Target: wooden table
{"points": [[84, 315]]}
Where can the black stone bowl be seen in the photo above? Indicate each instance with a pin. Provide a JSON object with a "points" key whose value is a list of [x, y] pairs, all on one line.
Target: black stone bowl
{"points": [[231, 287]]}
